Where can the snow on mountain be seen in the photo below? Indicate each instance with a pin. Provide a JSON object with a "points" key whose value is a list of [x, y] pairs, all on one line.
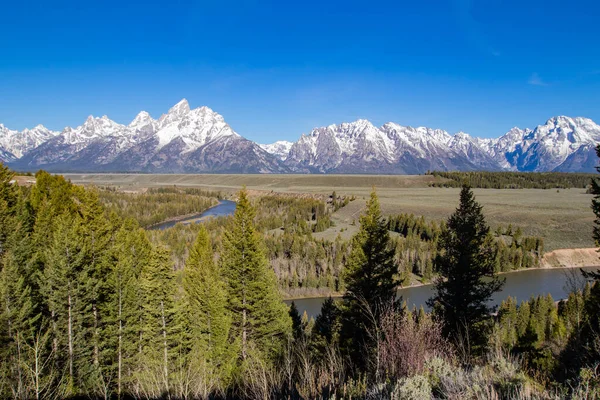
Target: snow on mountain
{"points": [[196, 127], [14, 144], [169, 144], [348, 147], [280, 148], [549, 145], [199, 140], [362, 147]]}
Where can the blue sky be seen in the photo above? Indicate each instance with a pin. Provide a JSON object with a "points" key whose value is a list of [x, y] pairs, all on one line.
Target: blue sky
{"points": [[277, 69]]}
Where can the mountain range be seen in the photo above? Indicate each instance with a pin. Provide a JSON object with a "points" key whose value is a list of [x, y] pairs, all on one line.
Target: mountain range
{"points": [[188, 140]]}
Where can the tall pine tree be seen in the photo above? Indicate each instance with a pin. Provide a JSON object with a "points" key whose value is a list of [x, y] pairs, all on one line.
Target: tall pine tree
{"points": [[370, 282], [159, 332], [208, 319], [260, 319], [467, 281], [583, 348]]}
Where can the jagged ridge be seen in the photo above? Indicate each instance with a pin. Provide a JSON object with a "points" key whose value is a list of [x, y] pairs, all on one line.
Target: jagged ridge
{"points": [[199, 140]]}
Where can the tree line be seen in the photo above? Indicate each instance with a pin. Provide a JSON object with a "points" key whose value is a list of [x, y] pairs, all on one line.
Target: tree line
{"points": [[512, 180], [156, 205]]}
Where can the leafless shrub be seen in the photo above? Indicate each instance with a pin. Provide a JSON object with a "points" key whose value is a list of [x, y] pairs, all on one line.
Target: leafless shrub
{"points": [[260, 379], [406, 344]]}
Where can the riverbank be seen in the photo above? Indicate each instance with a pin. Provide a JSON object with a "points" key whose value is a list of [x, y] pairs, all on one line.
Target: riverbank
{"points": [[178, 218], [222, 208], [556, 259]]}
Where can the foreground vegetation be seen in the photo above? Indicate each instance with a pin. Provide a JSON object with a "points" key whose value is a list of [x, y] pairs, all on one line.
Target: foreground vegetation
{"points": [[93, 306]]}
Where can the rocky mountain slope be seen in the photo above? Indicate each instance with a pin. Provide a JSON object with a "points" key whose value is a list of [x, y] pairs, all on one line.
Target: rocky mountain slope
{"points": [[188, 140], [182, 140]]}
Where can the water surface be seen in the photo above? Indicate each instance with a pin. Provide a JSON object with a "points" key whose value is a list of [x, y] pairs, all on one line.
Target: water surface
{"points": [[519, 284], [224, 208]]}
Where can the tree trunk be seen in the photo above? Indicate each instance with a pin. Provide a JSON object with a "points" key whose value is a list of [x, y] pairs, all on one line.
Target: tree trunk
{"points": [[120, 344], [96, 336], [165, 348], [70, 335], [244, 328]]}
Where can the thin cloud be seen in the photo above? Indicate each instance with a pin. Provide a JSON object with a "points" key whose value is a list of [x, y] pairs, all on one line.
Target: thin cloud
{"points": [[536, 80]]}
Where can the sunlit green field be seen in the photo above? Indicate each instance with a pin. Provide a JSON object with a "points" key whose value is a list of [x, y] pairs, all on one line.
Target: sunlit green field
{"points": [[563, 217]]}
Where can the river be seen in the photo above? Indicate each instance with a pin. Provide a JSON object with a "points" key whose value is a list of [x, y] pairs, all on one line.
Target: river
{"points": [[520, 284], [224, 208]]}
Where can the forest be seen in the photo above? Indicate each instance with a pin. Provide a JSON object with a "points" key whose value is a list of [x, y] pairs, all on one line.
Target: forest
{"points": [[513, 180], [94, 306], [306, 265], [157, 204]]}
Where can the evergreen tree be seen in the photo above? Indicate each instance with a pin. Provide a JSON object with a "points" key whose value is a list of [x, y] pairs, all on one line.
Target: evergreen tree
{"points": [[326, 326], [466, 264], [585, 342], [370, 281], [260, 319], [129, 256], [8, 202], [64, 283], [297, 325], [206, 301], [18, 323], [159, 333]]}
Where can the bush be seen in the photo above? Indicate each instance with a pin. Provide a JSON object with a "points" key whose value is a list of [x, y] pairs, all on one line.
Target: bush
{"points": [[412, 388]]}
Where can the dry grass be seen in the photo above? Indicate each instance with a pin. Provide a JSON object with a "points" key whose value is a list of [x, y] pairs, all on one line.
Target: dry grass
{"points": [[563, 218]]}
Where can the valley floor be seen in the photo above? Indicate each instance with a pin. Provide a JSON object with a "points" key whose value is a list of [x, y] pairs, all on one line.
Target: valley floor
{"points": [[562, 217]]}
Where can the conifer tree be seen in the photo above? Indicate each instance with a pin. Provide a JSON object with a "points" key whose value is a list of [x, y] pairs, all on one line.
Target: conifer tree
{"points": [[326, 328], [297, 326], [18, 323], [159, 335], [467, 281], [370, 281], [8, 202], [63, 285], [583, 348], [129, 255], [259, 317], [208, 319]]}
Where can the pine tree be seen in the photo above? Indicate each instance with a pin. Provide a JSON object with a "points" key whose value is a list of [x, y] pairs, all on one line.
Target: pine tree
{"points": [[370, 281], [466, 260], [159, 335], [8, 202], [259, 316], [326, 326], [583, 348], [130, 254], [18, 323], [297, 326], [96, 233], [63, 287], [206, 302]]}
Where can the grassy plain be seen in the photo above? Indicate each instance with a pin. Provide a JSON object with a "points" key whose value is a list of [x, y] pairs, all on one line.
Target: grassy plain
{"points": [[562, 217]]}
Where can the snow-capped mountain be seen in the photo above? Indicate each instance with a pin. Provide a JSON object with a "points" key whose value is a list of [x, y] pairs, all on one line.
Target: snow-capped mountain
{"points": [[182, 140], [14, 144], [199, 140], [561, 144], [361, 147], [280, 148]]}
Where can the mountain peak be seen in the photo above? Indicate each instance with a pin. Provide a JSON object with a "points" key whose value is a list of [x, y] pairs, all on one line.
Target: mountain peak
{"points": [[180, 108], [141, 119]]}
